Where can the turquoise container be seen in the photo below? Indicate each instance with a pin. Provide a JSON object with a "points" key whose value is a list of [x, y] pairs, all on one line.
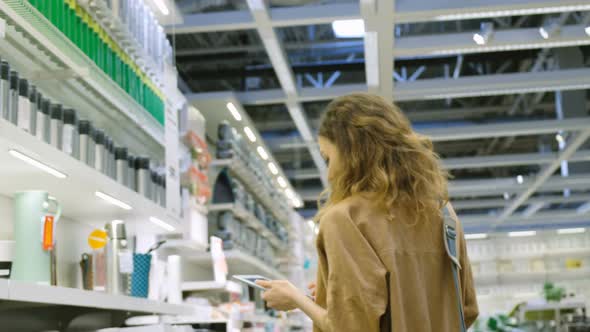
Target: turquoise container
{"points": [[30, 262]]}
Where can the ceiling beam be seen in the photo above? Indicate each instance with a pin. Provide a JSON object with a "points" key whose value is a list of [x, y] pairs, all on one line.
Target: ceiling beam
{"points": [[441, 88], [406, 11], [280, 63], [472, 162], [470, 132], [492, 187], [500, 202], [572, 146]]}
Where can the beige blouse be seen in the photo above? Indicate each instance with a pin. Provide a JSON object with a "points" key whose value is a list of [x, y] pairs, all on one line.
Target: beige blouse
{"points": [[377, 275]]}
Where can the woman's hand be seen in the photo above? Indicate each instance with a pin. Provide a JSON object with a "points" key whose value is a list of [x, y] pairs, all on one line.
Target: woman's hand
{"points": [[280, 294]]}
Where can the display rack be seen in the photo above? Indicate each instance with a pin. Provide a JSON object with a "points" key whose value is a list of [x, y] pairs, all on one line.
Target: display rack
{"points": [[239, 263], [77, 192], [18, 291], [40, 52], [250, 220], [212, 286], [529, 277], [581, 252], [237, 167]]}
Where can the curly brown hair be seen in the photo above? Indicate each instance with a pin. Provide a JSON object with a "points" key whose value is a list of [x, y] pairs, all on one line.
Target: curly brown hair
{"points": [[382, 156]]}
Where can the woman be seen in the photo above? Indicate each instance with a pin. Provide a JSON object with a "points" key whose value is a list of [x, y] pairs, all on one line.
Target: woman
{"points": [[382, 261]]}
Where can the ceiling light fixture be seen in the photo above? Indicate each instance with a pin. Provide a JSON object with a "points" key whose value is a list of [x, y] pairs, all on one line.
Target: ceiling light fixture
{"points": [[282, 182], [550, 28], [262, 153], [476, 236], [311, 224], [234, 111], [112, 200], [506, 196], [512, 12], [587, 30], [485, 33], [559, 138], [162, 224], [522, 234], [38, 164], [250, 134], [564, 231], [297, 203], [162, 6], [273, 168], [349, 28], [519, 179], [290, 194]]}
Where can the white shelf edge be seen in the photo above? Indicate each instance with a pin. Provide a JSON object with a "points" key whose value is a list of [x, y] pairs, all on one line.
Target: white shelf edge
{"points": [[33, 293], [235, 257], [251, 220], [521, 277], [211, 286]]}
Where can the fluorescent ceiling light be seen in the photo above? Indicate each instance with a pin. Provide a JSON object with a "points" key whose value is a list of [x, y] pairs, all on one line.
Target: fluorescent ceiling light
{"points": [[372, 58], [349, 28], [234, 111], [512, 12], [250, 134], [550, 28], [290, 194], [162, 6], [297, 203], [506, 196], [522, 234], [262, 153], [477, 236], [571, 231], [112, 200], [311, 224], [520, 179], [485, 34], [282, 182], [273, 168], [559, 138], [162, 224], [587, 30], [584, 208], [38, 164]]}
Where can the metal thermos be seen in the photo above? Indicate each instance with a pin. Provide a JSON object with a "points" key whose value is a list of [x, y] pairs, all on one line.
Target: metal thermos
{"points": [[122, 165], [153, 191], [42, 123], [131, 175], [116, 252], [56, 125], [86, 132], [5, 90], [100, 152], [70, 139], [23, 117], [33, 100], [109, 156], [13, 100], [142, 178], [164, 190]]}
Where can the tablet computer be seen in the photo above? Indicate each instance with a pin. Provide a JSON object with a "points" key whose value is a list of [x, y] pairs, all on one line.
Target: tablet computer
{"points": [[250, 280]]}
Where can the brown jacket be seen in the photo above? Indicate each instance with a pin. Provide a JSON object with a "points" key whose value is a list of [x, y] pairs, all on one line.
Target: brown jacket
{"points": [[378, 275]]}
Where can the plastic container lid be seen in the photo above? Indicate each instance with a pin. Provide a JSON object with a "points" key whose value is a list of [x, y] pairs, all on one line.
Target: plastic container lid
{"points": [[23, 87], [121, 153], [56, 111], [45, 106], [85, 127], [131, 161], [99, 137], [70, 117], [5, 71], [142, 163], [13, 80]]}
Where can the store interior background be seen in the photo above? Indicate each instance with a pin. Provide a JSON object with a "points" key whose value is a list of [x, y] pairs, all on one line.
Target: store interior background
{"points": [[501, 86]]}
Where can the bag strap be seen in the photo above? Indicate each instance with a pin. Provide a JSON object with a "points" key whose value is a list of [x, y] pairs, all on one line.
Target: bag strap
{"points": [[450, 240]]}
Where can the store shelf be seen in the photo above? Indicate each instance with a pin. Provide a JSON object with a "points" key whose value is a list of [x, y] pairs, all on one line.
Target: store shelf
{"points": [[32, 293], [579, 252], [250, 220], [77, 192], [240, 263], [528, 277], [183, 247], [245, 175], [212, 286], [40, 52]]}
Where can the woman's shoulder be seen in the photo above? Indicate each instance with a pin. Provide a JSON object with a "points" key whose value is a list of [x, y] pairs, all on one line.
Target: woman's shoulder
{"points": [[353, 208]]}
